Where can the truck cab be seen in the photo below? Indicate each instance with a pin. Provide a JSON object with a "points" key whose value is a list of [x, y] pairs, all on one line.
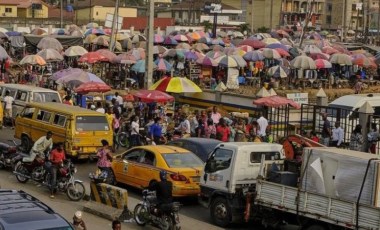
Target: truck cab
{"points": [[232, 170]]}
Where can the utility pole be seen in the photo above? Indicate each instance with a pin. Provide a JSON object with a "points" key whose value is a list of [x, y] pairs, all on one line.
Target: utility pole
{"points": [[115, 24], [344, 27], [149, 60], [378, 22], [271, 14], [309, 14], [90, 12], [61, 14], [359, 7], [252, 18]]}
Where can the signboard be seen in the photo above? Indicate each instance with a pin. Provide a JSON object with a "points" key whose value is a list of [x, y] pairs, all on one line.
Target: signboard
{"points": [[359, 6], [221, 19], [109, 21], [300, 98], [213, 8]]}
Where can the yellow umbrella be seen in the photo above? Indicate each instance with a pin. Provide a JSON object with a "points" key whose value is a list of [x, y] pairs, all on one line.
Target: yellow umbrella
{"points": [[271, 41], [33, 60], [89, 38], [176, 85]]}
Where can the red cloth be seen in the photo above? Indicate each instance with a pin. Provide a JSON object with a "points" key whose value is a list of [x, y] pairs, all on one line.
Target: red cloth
{"points": [[225, 131], [57, 157]]}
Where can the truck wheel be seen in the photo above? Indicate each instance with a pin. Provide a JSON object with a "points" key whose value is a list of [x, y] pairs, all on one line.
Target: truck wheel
{"points": [[220, 212], [316, 227]]}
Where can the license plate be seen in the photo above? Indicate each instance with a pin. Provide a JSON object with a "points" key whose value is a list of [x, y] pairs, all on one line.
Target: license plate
{"points": [[196, 178]]}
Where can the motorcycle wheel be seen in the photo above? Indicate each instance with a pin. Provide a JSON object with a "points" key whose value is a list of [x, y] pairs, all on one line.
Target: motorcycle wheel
{"points": [[167, 223], [76, 191], [123, 140], [19, 168], [141, 214]]}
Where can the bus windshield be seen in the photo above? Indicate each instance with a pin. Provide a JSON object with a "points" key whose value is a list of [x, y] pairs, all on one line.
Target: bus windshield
{"points": [[92, 123]]}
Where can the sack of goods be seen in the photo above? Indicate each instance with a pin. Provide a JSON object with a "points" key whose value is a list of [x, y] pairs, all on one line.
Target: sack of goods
{"points": [[340, 174]]}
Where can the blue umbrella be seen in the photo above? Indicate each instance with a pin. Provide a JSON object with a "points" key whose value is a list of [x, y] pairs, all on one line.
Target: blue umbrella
{"points": [[253, 56], [170, 41], [277, 45], [189, 55], [139, 66], [13, 33], [163, 65], [94, 31]]}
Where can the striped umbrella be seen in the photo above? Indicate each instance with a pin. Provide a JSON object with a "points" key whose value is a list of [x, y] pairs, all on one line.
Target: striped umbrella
{"points": [[159, 49], [50, 55], [254, 56], [312, 49], [341, 59], [163, 65], [205, 40], [303, 62], [271, 53], [180, 53], [322, 64], [278, 71], [207, 61], [200, 47], [214, 54], [176, 85], [227, 61], [33, 60], [239, 60], [181, 38], [75, 51], [183, 45]]}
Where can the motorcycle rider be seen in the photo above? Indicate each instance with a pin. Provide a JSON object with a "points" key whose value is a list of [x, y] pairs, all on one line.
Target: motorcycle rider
{"points": [[57, 156], [42, 145], [163, 190]]}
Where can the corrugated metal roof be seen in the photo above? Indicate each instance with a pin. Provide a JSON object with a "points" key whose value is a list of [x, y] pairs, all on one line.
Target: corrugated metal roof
{"points": [[140, 23]]}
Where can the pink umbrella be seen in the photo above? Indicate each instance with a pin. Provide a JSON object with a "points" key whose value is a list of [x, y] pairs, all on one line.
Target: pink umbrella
{"points": [[158, 38], [322, 64], [181, 38], [282, 52], [91, 86], [125, 58], [107, 53], [276, 101], [329, 50], [245, 48], [92, 57], [207, 61]]}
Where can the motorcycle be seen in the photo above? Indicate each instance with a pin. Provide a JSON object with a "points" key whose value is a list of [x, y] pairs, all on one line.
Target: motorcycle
{"points": [[123, 137], [147, 212], [38, 171], [8, 154], [103, 176]]}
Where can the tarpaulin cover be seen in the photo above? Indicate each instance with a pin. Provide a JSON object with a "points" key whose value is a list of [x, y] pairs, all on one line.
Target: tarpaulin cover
{"points": [[340, 173], [66, 41]]}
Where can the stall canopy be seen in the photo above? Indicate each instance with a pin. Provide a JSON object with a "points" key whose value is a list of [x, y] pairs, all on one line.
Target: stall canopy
{"points": [[32, 41]]}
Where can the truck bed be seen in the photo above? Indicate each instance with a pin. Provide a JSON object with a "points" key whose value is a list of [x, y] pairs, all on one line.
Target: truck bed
{"points": [[315, 206]]}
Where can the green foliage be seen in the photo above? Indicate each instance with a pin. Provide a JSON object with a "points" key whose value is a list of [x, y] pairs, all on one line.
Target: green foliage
{"points": [[262, 29], [244, 27], [207, 25]]}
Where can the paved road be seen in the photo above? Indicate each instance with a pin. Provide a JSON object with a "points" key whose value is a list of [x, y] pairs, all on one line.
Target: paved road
{"points": [[192, 215]]}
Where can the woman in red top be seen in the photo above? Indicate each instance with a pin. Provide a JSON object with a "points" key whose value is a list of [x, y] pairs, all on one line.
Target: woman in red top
{"points": [[57, 156], [222, 131]]}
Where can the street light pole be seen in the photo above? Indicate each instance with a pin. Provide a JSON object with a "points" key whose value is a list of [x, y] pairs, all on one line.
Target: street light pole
{"points": [[149, 61], [61, 14]]}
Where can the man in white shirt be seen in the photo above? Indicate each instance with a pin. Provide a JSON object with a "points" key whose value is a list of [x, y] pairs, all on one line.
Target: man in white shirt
{"points": [[263, 124], [44, 143], [337, 135], [119, 100], [99, 107], [135, 131], [184, 126], [215, 115], [8, 101]]}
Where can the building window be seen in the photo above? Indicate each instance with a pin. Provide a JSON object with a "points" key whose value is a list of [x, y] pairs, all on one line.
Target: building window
{"points": [[329, 7], [8, 10], [328, 19]]}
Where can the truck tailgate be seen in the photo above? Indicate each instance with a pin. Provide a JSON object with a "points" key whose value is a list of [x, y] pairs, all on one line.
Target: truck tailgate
{"points": [[316, 206]]}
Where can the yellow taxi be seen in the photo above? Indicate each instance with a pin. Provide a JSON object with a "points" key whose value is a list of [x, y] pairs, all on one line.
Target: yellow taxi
{"points": [[141, 165]]}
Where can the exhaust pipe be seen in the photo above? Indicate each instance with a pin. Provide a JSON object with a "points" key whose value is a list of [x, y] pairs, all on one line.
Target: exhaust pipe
{"points": [[23, 175]]}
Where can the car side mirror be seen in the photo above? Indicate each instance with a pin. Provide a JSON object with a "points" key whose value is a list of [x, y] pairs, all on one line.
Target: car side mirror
{"points": [[125, 161]]}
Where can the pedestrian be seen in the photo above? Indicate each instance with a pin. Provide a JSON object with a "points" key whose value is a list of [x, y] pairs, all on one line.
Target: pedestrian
{"points": [[263, 125], [358, 86], [210, 129], [135, 131], [373, 138], [104, 155], [99, 107], [8, 104], [116, 225], [215, 115], [240, 131], [184, 126], [78, 222], [156, 131], [222, 131], [194, 123], [357, 140], [119, 100], [326, 130], [314, 137], [57, 156], [337, 135], [67, 100], [200, 130]]}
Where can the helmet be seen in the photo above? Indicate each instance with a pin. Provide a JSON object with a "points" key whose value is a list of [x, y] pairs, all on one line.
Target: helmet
{"points": [[163, 175]]}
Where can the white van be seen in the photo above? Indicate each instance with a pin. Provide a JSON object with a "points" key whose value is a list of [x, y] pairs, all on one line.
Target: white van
{"points": [[27, 93]]}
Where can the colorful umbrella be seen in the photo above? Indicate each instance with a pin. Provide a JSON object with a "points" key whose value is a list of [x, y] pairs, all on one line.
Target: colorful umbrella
{"points": [[49, 42], [205, 40], [270, 53], [270, 41], [217, 48], [276, 101], [176, 85], [323, 64], [139, 67], [329, 50], [92, 57], [183, 45], [124, 58], [295, 52], [226, 61], [246, 48], [194, 36], [61, 32], [254, 56], [239, 60], [341, 59], [158, 38], [91, 86], [50, 55], [33, 60], [92, 25], [163, 65], [148, 96], [214, 54], [102, 40], [256, 44], [77, 78], [107, 53], [311, 49], [73, 51], [159, 49], [193, 55], [180, 53], [277, 46], [138, 53], [170, 41], [282, 52], [65, 72], [89, 38], [207, 61], [364, 62], [217, 41], [316, 56], [94, 31], [200, 47], [278, 72], [181, 38], [303, 62], [138, 38]]}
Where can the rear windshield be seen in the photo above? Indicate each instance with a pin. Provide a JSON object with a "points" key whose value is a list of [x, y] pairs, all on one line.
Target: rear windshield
{"points": [[46, 97], [92, 123], [182, 160]]}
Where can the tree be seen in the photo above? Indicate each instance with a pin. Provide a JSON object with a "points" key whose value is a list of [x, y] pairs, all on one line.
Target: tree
{"points": [[207, 25], [263, 29], [244, 27]]}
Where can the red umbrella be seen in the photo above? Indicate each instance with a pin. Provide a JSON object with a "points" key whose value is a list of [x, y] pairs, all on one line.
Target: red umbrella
{"points": [[322, 64], [282, 52], [256, 44], [316, 56], [276, 101], [153, 96], [92, 57], [365, 62], [92, 87], [129, 97], [107, 53]]}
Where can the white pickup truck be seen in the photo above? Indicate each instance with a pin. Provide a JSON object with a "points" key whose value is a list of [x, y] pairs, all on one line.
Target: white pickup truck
{"points": [[252, 185]]}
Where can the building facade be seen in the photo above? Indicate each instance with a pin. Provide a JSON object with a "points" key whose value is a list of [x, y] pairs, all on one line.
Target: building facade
{"points": [[263, 13]]}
